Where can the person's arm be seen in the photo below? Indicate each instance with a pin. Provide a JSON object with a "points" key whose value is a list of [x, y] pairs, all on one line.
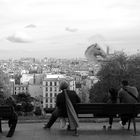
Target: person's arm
{"points": [[78, 99], [11, 101], [118, 100], [57, 100], [119, 97], [136, 92]]}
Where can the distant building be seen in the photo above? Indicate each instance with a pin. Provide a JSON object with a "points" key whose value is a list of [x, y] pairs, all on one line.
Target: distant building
{"points": [[24, 72], [12, 86], [51, 88], [83, 73], [35, 90], [20, 89], [90, 81], [26, 78], [31, 79]]}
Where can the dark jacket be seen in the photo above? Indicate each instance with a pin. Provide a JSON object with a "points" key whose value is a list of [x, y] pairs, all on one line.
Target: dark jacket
{"points": [[8, 101], [60, 101], [125, 97]]}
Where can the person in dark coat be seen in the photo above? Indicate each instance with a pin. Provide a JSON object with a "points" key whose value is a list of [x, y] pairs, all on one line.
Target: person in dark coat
{"points": [[113, 98], [127, 94], [60, 109], [12, 122]]}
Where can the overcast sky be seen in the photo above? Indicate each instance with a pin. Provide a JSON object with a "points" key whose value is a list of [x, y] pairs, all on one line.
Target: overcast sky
{"points": [[65, 28]]}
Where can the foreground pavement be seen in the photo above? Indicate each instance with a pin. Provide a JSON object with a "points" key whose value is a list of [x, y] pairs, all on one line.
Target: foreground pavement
{"points": [[89, 131]]}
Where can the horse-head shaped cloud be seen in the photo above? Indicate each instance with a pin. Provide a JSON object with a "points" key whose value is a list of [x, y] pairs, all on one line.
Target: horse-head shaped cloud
{"points": [[94, 51]]}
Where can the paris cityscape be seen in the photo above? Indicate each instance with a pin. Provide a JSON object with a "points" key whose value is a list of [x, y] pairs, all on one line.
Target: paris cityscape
{"points": [[69, 69]]}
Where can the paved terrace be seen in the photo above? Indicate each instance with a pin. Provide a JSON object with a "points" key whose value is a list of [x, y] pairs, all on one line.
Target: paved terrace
{"points": [[87, 131]]}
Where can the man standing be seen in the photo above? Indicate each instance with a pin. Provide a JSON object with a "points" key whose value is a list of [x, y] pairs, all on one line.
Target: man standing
{"points": [[127, 94]]}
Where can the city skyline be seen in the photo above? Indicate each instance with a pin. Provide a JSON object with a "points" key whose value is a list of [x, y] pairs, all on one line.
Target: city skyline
{"points": [[65, 28]]}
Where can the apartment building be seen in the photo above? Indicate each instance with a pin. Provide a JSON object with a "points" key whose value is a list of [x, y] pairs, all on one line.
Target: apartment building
{"points": [[20, 89], [51, 88]]}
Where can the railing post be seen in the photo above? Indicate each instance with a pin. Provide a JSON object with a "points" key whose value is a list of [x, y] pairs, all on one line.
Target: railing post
{"points": [[134, 125], [76, 132], [129, 122]]}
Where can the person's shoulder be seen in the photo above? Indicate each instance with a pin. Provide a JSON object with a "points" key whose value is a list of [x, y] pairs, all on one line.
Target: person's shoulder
{"points": [[59, 94], [120, 90], [134, 87], [72, 91]]}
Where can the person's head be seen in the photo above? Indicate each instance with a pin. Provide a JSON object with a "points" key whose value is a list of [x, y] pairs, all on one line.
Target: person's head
{"points": [[124, 83], [64, 85]]}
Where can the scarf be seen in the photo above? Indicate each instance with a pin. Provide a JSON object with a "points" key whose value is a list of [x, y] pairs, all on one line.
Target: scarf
{"points": [[72, 116]]}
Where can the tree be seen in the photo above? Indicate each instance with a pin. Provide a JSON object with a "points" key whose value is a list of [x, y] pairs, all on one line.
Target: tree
{"points": [[38, 111], [134, 70], [112, 72], [84, 95], [24, 99], [4, 84]]}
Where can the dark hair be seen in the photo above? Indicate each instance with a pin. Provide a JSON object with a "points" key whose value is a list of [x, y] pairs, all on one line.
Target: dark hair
{"points": [[125, 83], [64, 85], [113, 94]]}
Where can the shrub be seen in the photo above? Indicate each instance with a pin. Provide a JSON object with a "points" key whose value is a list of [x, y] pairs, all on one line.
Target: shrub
{"points": [[38, 111]]}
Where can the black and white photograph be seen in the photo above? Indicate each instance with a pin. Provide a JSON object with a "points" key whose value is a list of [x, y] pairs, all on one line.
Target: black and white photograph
{"points": [[69, 69]]}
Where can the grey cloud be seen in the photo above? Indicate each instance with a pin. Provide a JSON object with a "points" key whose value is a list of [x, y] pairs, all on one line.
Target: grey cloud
{"points": [[19, 38], [71, 29], [30, 26]]}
